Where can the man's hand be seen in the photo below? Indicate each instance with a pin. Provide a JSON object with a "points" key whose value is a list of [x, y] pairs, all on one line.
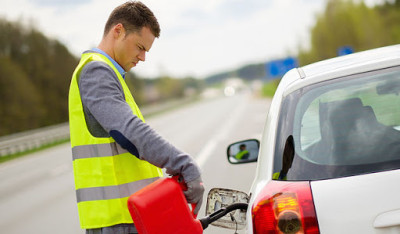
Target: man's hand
{"points": [[194, 193]]}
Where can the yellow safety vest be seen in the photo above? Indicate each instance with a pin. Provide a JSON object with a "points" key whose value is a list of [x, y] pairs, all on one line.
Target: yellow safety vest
{"points": [[276, 176], [105, 173], [241, 154]]}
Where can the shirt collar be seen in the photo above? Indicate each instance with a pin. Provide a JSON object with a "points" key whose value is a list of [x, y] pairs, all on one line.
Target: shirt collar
{"points": [[119, 68]]}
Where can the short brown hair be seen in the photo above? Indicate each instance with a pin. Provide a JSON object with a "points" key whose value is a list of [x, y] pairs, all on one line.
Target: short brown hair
{"points": [[133, 15]]}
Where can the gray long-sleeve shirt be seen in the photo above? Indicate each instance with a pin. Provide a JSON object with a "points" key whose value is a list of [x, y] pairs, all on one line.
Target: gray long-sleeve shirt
{"points": [[108, 114]]}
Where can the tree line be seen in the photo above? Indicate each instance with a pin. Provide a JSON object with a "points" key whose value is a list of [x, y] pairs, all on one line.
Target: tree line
{"points": [[34, 78], [35, 74], [352, 23]]}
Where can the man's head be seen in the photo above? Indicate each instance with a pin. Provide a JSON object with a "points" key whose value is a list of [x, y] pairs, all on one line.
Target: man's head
{"points": [[242, 147], [133, 15], [129, 33]]}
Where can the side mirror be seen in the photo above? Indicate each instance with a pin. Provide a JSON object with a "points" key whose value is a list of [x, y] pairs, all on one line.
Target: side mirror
{"points": [[219, 198], [243, 151]]}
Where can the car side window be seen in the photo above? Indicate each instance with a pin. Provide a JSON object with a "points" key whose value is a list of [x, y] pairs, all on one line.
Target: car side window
{"points": [[350, 123], [310, 132], [341, 127]]}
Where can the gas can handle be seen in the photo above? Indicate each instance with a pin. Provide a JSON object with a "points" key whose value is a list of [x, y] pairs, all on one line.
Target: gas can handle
{"points": [[178, 178]]}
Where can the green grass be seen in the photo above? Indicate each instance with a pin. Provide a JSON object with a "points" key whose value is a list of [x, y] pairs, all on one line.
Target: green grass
{"points": [[268, 89]]}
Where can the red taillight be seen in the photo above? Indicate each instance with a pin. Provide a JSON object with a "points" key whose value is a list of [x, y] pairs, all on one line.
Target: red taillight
{"points": [[285, 207]]}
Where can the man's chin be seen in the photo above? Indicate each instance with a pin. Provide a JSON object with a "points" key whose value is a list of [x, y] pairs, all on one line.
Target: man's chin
{"points": [[127, 69]]}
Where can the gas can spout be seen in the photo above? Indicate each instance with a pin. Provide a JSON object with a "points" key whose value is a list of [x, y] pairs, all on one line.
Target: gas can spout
{"points": [[220, 213]]}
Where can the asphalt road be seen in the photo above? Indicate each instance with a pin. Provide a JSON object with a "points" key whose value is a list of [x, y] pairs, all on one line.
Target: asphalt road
{"points": [[37, 191]]}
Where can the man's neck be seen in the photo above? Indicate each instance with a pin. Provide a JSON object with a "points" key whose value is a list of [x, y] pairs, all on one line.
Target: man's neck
{"points": [[105, 46]]}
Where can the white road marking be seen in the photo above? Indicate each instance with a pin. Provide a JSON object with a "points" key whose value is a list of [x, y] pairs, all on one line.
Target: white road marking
{"points": [[209, 147]]}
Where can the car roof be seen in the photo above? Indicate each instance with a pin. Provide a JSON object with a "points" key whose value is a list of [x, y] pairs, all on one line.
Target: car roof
{"points": [[357, 59], [341, 66]]}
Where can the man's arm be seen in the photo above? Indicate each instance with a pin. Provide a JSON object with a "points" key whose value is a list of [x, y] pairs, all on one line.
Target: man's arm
{"points": [[102, 96]]}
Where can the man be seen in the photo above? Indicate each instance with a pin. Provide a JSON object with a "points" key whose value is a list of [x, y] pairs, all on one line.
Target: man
{"points": [[115, 153], [243, 153]]}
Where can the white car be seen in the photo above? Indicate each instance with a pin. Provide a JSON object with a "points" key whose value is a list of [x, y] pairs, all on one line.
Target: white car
{"points": [[329, 159]]}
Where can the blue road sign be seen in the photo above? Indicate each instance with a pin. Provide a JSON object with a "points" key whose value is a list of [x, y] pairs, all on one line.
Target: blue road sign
{"points": [[345, 50], [278, 68]]}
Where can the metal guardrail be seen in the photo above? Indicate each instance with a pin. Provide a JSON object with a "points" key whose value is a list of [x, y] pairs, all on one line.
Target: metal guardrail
{"points": [[28, 140], [33, 139]]}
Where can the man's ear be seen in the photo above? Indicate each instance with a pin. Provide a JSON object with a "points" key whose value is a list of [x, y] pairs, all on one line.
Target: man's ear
{"points": [[118, 30]]}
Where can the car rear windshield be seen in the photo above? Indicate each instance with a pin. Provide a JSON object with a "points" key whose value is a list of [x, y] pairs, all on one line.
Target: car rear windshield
{"points": [[341, 127]]}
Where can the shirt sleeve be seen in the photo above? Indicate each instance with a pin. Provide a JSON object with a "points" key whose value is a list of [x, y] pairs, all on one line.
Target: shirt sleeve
{"points": [[103, 98]]}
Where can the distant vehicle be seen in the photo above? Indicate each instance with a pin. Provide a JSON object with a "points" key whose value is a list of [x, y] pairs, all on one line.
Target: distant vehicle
{"points": [[329, 159]]}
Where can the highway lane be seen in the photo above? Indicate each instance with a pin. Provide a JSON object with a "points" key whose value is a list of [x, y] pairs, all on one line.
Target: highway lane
{"points": [[37, 194]]}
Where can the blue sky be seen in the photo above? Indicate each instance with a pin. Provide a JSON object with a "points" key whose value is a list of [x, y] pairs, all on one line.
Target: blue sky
{"points": [[198, 38]]}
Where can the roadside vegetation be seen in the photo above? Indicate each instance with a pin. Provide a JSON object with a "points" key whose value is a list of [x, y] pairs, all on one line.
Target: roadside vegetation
{"points": [[269, 88], [352, 23]]}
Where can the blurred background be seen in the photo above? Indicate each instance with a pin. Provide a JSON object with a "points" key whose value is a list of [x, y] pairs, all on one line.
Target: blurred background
{"points": [[209, 77], [202, 45]]}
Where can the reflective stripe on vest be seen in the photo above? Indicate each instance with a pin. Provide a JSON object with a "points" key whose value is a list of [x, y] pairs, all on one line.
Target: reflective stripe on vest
{"points": [[99, 150], [112, 192], [105, 173]]}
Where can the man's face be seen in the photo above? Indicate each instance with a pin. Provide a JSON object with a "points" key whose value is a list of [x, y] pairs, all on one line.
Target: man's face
{"points": [[131, 48]]}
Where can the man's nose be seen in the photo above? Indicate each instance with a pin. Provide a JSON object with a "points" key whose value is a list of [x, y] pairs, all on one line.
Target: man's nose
{"points": [[142, 56]]}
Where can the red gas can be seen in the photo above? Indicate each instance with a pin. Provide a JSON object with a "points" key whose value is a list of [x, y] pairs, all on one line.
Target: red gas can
{"points": [[161, 207]]}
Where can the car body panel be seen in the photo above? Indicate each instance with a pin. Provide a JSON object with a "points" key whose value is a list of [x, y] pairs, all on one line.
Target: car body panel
{"points": [[265, 163], [358, 204]]}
